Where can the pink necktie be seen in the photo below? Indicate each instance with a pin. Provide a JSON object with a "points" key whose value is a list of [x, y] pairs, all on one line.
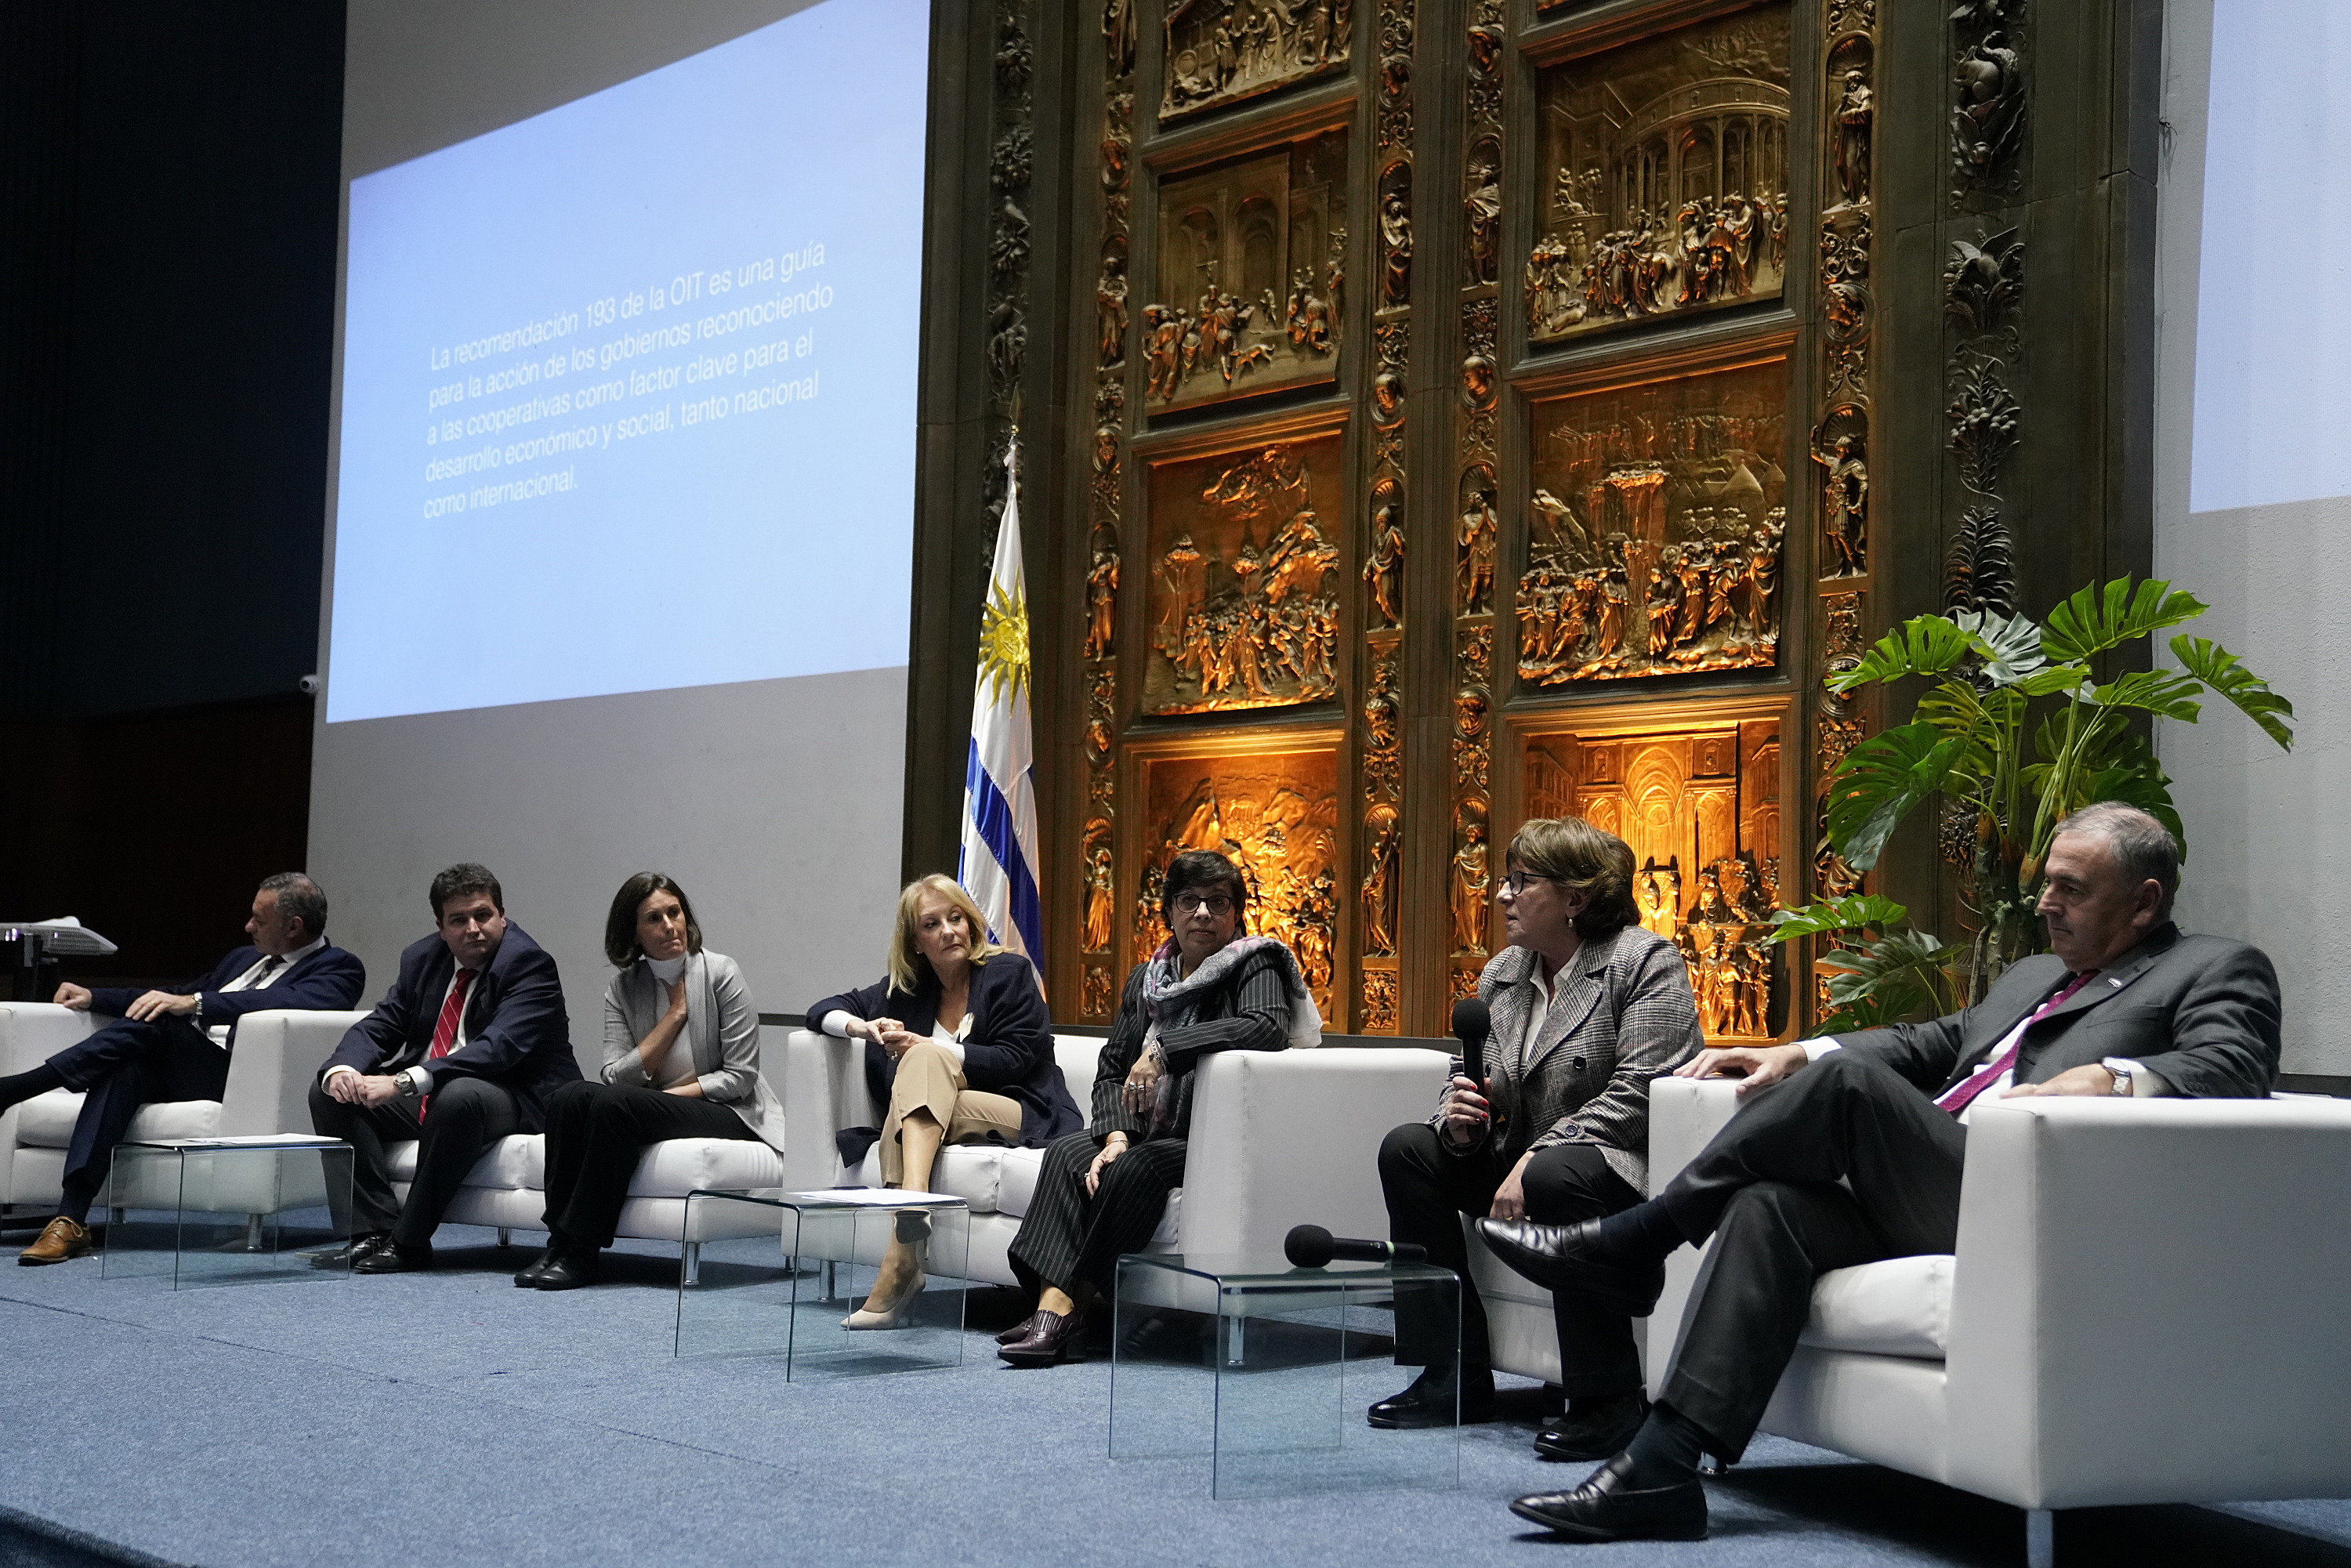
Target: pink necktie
{"points": [[1960, 1095]]}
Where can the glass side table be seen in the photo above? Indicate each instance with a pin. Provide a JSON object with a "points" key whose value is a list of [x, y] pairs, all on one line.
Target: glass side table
{"points": [[227, 1211], [1266, 1370], [775, 1274]]}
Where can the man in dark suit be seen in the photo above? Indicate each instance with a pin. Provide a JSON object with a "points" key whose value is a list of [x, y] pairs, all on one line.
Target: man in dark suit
{"points": [[467, 1046], [174, 1043], [1850, 1150]]}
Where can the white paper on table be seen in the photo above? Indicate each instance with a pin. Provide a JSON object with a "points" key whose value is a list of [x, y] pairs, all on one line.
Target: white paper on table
{"points": [[240, 1139], [871, 1196]]}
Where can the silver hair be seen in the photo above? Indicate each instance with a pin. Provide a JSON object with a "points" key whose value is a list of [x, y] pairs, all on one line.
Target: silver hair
{"points": [[2142, 847], [301, 898]]}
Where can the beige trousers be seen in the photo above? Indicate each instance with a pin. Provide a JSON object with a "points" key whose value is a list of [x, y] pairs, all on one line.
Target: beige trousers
{"points": [[929, 1079]]}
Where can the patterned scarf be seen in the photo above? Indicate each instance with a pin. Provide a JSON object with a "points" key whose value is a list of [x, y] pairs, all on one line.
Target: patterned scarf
{"points": [[1171, 998]]}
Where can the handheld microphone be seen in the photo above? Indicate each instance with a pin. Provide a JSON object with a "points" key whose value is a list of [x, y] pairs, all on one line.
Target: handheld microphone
{"points": [[1311, 1247], [1470, 1027]]}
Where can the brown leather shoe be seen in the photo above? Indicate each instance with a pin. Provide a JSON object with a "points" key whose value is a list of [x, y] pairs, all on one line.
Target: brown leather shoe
{"points": [[62, 1239], [1054, 1337]]}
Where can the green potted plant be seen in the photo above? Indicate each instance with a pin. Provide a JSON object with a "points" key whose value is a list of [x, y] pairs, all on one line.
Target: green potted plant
{"points": [[2014, 733]]}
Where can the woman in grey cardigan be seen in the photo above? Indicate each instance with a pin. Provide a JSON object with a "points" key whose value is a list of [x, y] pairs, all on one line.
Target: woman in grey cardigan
{"points": [[1586, 1008], [680, 1060]]}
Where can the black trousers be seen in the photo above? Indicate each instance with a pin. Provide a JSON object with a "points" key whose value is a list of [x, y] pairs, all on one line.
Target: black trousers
{"points": [[1767, 1188], [596, 1132], [1067, 1236], [1428, 1189], [463, 1117], [121, 1067]]}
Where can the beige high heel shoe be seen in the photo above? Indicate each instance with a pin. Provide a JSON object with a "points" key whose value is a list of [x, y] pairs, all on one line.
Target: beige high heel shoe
{"points": [[913, 1233]]}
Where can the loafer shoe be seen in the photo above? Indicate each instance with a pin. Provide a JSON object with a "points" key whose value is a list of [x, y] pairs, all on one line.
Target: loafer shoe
{"points": [[570, 1270], [1591, 1437], [61, 1238], [1604, 1509], [392, 1258], [1021, 1330], [1055, 1337], [1559, 1258], [349, 1254], [1430, 1401]]}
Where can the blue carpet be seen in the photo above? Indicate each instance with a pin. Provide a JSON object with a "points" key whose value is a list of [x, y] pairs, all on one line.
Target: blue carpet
{"points": [[449, 1418]]}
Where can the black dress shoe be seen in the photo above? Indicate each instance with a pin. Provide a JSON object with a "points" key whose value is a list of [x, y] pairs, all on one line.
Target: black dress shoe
{"points": [[1595, 1435], [1604, 1509], [1559, 1258], [528, 1276], [1430, 1402], [349, 1254], [570, 1270], [394, 1259], [1054, 1337], [1021, 1330]]}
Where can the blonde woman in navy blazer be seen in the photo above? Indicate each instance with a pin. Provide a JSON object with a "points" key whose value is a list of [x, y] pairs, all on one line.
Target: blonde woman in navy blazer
{"points": [[958, 1045]]}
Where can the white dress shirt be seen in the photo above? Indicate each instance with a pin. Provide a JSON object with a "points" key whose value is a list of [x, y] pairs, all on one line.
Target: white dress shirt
{"points": [[253, 979]]}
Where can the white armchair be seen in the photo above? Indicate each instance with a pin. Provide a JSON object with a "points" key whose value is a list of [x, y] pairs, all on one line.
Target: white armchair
{"points": [[268, 1079], [2145, 1306], [1279, 1138]]}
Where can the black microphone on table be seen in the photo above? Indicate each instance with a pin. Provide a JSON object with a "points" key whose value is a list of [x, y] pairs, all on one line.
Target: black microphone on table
{"points": [[1311, 1247]]}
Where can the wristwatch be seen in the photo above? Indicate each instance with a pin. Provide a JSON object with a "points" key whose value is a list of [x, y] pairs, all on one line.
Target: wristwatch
{"points": [[406, 1079], [2122, 1069]]}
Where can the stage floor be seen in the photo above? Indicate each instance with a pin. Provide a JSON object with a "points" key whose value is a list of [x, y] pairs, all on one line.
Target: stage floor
{"points": [[449, 1418]]}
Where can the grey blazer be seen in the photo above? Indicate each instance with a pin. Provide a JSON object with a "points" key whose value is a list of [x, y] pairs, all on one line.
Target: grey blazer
{"points": [[722, 1030], [1621, 1014]]}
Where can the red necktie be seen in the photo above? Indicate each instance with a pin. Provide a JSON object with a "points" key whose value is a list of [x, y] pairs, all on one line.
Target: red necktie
{"points": [[444, 1028], [1960, 1096]]}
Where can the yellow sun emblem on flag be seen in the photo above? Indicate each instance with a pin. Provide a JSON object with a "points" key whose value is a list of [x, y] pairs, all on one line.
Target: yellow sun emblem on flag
{"points": [[1004, 642]]}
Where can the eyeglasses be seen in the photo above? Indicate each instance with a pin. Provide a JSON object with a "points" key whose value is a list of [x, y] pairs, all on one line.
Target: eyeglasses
{"points": [[1216, 903], [1515, 883]]}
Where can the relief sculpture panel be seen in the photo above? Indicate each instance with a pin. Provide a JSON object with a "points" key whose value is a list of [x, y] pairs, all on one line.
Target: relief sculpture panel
{"points": [[1276, 817], [1252, 282], [1655, 530], [1701, 809], [1665, 177], [1243, 598], [1222, 51]]}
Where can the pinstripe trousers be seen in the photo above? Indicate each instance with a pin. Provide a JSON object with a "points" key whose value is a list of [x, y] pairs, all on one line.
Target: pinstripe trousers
{"points": [[1067, 1236]]}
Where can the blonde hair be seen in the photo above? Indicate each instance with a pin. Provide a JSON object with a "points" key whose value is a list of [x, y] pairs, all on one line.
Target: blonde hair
{"points": [[907, 966]]}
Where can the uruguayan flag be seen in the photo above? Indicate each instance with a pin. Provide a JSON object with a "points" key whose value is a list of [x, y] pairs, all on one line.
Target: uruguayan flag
{"points": [[1000, 795]]}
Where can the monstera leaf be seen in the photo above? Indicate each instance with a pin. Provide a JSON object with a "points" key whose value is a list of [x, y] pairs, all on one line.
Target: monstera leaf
{"points": [[1881, 781], [2009, 645], [1861, 912], [1901, 974], [2219, 669], [2166, 691], [2096, 619], [1922, 645]]}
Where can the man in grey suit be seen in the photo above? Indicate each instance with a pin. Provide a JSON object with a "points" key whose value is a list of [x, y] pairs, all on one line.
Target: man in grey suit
{"points": [[1850, 1150]]}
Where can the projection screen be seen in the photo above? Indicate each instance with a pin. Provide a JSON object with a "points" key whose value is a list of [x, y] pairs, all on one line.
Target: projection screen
{"points": [[621, 495]]}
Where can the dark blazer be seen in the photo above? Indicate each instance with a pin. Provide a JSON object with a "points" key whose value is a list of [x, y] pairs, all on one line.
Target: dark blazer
{"points": [[331, 979], [517, 1033], [1250, 1011], [2202, 1012], [1009, 1049]]}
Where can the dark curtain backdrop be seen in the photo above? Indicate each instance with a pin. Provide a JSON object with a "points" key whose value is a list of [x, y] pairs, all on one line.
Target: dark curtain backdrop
{"points": [[168, 177]]}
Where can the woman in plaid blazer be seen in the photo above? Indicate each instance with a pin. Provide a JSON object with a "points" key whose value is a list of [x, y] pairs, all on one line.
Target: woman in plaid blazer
{"points": [[1586, 1008]]}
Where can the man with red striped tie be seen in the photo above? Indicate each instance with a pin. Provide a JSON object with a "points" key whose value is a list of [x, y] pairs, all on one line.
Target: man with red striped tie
{"points": [[469, 1046], [1847, 1151]]}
